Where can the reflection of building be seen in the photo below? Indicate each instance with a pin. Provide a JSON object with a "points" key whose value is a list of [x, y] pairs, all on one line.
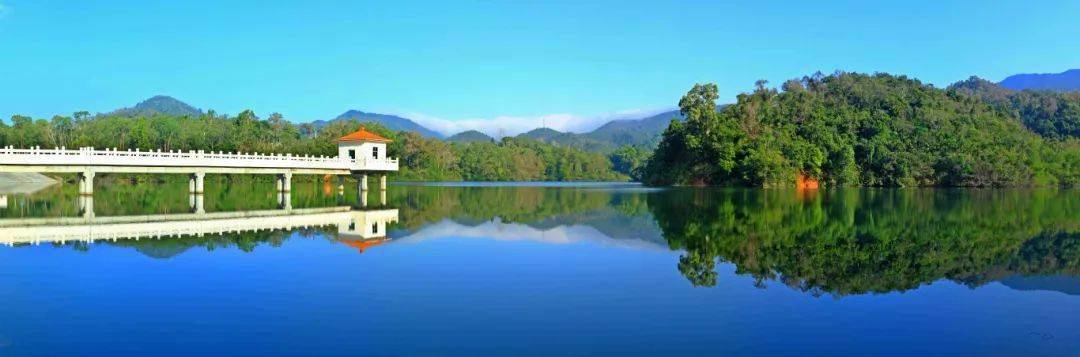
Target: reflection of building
{"points": [[367, 230], [351, 224]]}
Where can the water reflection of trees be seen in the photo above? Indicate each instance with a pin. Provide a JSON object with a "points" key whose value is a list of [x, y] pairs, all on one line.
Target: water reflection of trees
{"points": [[853, 242], [830, 242]]}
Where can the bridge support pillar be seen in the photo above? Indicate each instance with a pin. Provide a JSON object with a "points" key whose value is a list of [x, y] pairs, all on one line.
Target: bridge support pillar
{"points": [[382, 197], [196, 183], [284, 182], [363, 182], [284, 200], [196, 203], [86, 206], [363, 198], [86, 183], [382, 182]]}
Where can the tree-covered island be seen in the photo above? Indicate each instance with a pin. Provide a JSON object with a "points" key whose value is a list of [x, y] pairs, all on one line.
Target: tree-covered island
{"points": [[850, 129]]}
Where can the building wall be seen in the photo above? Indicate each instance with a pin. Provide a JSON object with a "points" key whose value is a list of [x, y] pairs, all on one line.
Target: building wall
{"points": [[363, 150]]}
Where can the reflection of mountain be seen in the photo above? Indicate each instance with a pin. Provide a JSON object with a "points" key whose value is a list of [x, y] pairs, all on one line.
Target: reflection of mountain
{"points": [[598, 214], [499, 230], [1064, 284]]}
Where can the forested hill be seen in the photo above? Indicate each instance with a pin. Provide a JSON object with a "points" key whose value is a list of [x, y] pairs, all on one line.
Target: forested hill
{"points": [[1054, 115], [160, 104], [469, 136], [392, 122], [851, 129], [1062, 82]]}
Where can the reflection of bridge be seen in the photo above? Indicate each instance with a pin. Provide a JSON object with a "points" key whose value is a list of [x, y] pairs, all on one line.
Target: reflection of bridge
{"points": [[351, 225], [353, 158]]}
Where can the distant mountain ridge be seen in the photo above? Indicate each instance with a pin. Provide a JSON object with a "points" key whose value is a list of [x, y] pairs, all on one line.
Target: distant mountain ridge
{"points": [[392, 122], [160, 104], [469, 136], [1060, 82]]}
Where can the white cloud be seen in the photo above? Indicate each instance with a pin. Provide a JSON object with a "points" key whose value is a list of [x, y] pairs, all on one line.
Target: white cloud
{"points": [[513, 125]]}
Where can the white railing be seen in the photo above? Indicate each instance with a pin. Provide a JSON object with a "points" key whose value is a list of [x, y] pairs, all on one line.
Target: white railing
{"points": [[114, 157]]}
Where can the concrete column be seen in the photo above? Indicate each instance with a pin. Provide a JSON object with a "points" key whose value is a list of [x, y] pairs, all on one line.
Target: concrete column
{"points": [[286, 181], [191, 187], [284, 200], [382, 182], [86, 206], [196, 203], [200, 182], [363, 198], [382, 197], [86, 183], [341, 185], [279, 181], [363, 182]]}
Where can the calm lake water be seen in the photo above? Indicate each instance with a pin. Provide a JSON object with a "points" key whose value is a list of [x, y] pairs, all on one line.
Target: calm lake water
{"points": [[552, 269]]}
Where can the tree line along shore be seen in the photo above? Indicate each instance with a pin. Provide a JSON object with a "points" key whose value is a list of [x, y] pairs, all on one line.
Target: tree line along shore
{"points": [[843, 129]]}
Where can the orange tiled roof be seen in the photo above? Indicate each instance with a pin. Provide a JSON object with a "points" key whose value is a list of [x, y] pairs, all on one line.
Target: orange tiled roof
{"points": [[361, 245], [364, 135]]}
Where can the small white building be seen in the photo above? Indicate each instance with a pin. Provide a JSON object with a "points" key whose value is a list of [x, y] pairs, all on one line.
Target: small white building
{"points": [[366, 151]]}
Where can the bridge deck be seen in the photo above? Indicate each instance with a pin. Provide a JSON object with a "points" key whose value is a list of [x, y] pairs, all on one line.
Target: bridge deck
{"points": [[46, 230], [63, 160]]}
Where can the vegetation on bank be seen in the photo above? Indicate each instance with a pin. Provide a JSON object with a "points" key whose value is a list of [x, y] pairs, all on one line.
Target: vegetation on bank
{"points": [[845, 129], [422, 158], [850, 129]]}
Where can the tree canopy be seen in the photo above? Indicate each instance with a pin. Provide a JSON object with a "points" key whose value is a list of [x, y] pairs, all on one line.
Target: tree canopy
{"points": [[422, 158], [850, 129]]}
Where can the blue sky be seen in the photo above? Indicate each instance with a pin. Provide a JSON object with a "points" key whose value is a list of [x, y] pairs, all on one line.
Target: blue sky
{"points": [[496, 65]]}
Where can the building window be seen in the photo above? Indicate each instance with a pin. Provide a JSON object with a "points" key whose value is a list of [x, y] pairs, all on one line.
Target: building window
{"points": [[352, 154], [375, 152], [374, 228], [352, 226]]}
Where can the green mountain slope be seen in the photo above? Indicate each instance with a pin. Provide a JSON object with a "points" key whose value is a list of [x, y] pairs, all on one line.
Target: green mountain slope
{"points": [[469, 136], [160, 104]]}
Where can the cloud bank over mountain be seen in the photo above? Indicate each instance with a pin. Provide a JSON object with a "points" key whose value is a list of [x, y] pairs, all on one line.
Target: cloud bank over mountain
{"points": [[501, 126]]}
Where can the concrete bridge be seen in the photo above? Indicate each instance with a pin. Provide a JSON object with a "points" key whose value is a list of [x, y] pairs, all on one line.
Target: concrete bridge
{"points": [[359, 154], [352, 225]]}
